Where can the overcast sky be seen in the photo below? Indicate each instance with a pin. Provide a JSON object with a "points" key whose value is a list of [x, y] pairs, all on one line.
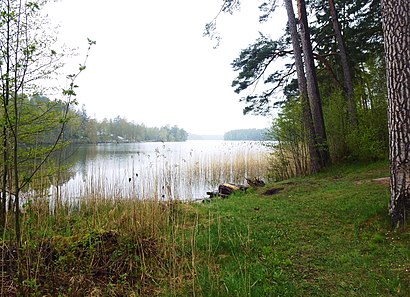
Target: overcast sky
{"points": [[152, 65]]}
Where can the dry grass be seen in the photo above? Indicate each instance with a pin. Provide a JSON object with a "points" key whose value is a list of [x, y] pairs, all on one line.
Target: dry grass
{"points": [[115, 237], [100, 247], [164, 177]]}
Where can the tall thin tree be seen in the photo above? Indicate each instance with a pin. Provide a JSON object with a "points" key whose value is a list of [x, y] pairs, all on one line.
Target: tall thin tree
{"points": [[5, 78], [307, 115], [345, 64], [312, 85]]}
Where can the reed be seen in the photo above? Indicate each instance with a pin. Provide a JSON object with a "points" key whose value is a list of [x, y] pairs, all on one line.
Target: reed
{"points": [[112, 247], [109, 236], [186, 177]]}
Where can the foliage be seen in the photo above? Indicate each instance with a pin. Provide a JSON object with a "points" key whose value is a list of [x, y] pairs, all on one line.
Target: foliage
{"points": [[253, 64], [27, 58], [289, 155], [121, 130], [270, 61], [245, 134], [79, 128], [362, 30], [369, 140]]}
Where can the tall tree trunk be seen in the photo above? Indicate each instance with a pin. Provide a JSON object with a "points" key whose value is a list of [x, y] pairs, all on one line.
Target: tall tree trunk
{"points": [[4, 180], [15, 129], [307, 115], [312, 86], [396, 25], [6, 99], [345, 65]]}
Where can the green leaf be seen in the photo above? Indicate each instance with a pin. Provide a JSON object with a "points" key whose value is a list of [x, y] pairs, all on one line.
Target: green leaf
{"points": [[69, 92], [33, 5]]}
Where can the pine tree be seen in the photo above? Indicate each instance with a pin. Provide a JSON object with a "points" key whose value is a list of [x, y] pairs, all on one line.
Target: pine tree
{"points": [[396, 20]]}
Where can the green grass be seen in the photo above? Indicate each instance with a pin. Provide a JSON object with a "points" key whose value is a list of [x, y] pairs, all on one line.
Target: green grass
{"points": [[324, 235]]}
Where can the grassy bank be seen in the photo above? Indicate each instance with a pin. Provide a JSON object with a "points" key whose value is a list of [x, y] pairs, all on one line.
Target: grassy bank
{"points": [[326, 235]]}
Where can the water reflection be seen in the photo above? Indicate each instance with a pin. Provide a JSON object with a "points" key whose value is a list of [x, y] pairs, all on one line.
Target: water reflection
{"points": [[177, 170]]}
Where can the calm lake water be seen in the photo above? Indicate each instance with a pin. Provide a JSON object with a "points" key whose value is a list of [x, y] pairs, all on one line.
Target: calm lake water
{"points": [[173, 170]]}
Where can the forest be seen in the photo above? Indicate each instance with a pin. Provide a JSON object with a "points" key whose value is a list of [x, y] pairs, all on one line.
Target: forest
{"points": [[122, 130], [246, 134], [81, 129]]}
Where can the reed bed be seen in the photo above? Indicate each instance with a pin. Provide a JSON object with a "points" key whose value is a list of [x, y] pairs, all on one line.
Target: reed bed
{"points": [[99, 247], [112, 236], [164, 176]]}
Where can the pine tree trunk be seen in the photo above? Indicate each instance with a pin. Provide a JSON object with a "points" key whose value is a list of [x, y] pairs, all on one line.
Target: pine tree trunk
{"points": [[345, 65], [312, 86], [307, 115], [396, 25]]}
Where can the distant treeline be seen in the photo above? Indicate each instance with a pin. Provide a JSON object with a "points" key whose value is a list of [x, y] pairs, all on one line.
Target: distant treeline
{"points": [[80, 128], [121, 130], [245, 134]]}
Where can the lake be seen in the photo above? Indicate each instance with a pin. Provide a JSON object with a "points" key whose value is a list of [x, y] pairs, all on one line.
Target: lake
{"points": [[170, 170]]}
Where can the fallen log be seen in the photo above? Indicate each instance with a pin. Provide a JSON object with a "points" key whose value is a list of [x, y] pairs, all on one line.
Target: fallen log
{"points": [[227, 189]]}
